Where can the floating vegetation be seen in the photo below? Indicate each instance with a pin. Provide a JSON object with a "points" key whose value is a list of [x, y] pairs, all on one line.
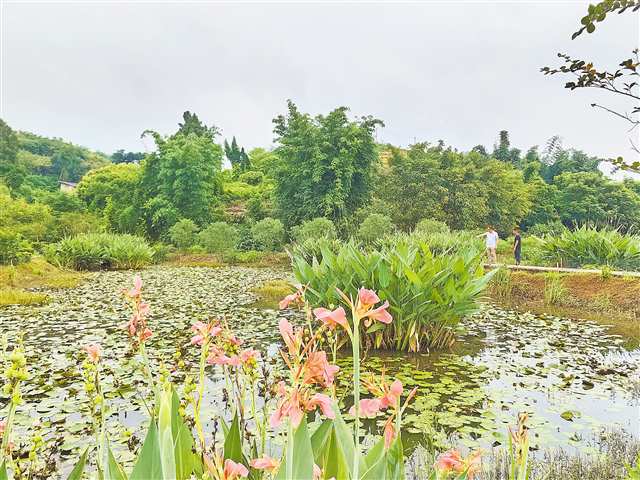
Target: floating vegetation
{"points": [[571, 377]]}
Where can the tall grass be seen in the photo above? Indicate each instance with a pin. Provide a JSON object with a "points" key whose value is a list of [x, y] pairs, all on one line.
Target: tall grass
{"points": [[588, 246], [97, 251], [428, 293]]}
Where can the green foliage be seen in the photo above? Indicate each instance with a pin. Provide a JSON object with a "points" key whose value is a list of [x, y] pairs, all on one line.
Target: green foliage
{"points": [[13, 248], [374, 227], [554, 289], [543, 229], [430, 226], [501, 284], [180, 180], [325, 164], [118, 182], [183, 233], [237, 157], [218, 237], [269, 234], [32, 221], [70, 224], [11, 172], [252, 177], [100, 251], [465, 191], [591, 198], [428, 293], [314, 230], [592, 246]]}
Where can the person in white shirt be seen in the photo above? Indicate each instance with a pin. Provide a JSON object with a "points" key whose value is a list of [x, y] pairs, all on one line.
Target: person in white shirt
{"points": [[491, 243]]}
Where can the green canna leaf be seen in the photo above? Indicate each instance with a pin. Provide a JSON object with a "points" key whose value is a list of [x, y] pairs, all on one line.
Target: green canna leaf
{"points": [[149, 463], [233, 442], [4, 473], [77, 471], [303, 460], [114, 470]]}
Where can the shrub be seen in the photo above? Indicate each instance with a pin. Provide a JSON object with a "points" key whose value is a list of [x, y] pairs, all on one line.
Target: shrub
{"points": [[74, 223], [543, 229], [428, 294], [314, 229], [251, 177], [590, 246], [502, 284], [218, 237], [269, 234], [13, 247], [183, 233], [98, 251], [375, 226], [429, 226]]}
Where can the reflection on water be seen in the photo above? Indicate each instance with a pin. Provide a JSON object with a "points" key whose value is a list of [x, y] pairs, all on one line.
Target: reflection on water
{"points": [[570, 376]]}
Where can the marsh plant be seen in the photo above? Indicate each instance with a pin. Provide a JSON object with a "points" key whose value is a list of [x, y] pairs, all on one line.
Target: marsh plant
{"points": [[554, 288], [591, 246], [428, 294], [301, 408], [97, 251]]}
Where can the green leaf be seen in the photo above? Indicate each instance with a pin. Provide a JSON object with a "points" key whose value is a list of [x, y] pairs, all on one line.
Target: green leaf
{"points": [[303, 460], [165, 435], [149, 464], [233, 442], [114, 470], [4, 473], [77, 471]]}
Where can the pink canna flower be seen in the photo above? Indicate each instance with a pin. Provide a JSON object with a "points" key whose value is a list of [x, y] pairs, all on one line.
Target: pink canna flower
{"points": [[234, 470], [291, 338], [249, 355], [265, 463], [203, 331], [380, 314], [369, 407], [289, 407], [391, 396], [137, 287], [325, 404], [289, 299], [389, 433], [318, 370], [450, 461], [332, 318], [145, 334], [367, 298], [317, 472], [217, 357], [93, 351], [3, 426]]}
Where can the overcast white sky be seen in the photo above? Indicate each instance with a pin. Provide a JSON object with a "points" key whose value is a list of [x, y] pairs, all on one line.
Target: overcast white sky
{"points": [[99, 74]]}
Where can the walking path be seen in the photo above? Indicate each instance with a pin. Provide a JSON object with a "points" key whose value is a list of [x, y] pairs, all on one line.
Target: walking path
{"points": [[533, 268]]}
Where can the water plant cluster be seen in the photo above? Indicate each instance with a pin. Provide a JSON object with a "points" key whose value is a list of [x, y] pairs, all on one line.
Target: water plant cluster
{"points": [[330, 449], [428, 293]]}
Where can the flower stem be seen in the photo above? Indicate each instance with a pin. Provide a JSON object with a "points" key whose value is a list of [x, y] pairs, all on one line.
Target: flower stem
{"points": [[290, 452], [356, 395], [198, 401]]}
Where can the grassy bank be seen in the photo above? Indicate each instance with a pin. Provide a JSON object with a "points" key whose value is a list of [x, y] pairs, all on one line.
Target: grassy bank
{"points": [[249, 259], [614, 301], [18, 282]]}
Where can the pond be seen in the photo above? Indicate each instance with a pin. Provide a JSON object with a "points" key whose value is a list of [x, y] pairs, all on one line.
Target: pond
{"points": [[571, 377]]}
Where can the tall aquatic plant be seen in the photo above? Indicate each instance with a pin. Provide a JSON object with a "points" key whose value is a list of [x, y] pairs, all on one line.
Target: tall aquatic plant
{"points": [[589, 246], [428, 293]]}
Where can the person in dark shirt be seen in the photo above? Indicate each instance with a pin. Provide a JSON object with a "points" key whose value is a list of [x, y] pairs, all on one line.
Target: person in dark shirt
{"points": [[517, 245]]}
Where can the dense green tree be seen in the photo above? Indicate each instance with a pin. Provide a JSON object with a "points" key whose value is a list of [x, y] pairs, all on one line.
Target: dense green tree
{"points": [[325, 164], [193, 125], [118, 182], [502, 150], [180, 180], [120, 156], [591, 198], [237, 156], [463, 190], [12, 173], [67, 163], [568, 161]]}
